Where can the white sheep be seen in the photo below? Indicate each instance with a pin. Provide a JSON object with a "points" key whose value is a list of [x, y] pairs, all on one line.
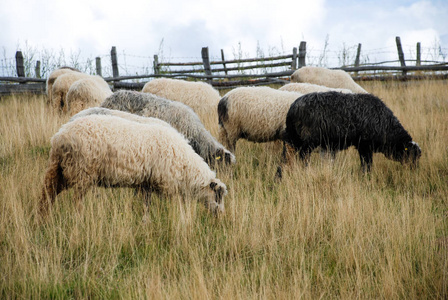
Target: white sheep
{"points": [[257, 114], [200, 96], [178, 115], [60, 88], [86, 92], [118, 113], [306, 88], [327, 77], [52, 77], [109, 151]]}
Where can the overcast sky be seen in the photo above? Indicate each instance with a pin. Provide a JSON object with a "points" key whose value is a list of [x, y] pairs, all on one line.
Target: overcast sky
{"points": [[137, 27]]}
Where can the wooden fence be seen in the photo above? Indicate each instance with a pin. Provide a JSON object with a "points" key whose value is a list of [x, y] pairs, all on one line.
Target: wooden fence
{"points": [[218, 72]]}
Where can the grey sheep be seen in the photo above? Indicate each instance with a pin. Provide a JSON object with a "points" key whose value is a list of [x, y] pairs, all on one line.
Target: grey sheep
{"points": [[178, 115]]}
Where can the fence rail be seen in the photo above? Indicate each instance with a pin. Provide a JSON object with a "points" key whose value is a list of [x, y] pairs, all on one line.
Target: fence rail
{"points": [[220, 77]]}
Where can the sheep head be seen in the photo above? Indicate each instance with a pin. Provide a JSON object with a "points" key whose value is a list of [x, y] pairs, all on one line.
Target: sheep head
{"points": [[223, 156], [215, 193], [409, 152]]}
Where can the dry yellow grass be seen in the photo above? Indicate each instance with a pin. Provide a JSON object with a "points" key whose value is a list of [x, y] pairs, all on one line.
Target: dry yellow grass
{"points": [[325, 231]]}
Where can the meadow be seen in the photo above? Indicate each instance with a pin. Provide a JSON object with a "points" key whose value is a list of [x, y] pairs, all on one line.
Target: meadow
{"points": [[325, 231]]}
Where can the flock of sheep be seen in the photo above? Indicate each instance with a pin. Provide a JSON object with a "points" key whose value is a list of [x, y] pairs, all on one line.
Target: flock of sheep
{"points": [[156, 140]]}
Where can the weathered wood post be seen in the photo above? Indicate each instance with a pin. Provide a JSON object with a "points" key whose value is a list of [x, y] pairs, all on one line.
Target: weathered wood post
{"points": [[223, 61], [206, 61], [99, 71], [419, 55], [19, 64], [37, 69], [400, 54], [294, 59], [156, 64], [113, 55], [302, 54], [358, 55]]}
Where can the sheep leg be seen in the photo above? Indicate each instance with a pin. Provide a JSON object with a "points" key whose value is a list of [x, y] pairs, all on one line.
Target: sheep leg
{"points": [[366, 157], [224, 139], [146, 193], [54, 183], [58, 102], [81, 184], [305, 152], [288, 155]]}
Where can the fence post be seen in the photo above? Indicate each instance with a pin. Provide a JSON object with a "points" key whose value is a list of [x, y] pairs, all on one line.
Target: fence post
{"points": [[37, 69], [113, 55], [19, 64], [294, 59], [98, 66], [419, 55], [156, 64], [302, 54], [223, 61], [358, 54], [206, 61], [400, 54]]}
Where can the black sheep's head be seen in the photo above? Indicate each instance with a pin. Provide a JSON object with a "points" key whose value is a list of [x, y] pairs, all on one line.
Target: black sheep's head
{"points": [[409, 152]]}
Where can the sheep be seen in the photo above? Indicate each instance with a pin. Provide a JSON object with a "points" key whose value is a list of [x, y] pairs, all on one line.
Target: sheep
{"points": [[327, 77], [109, 151], [86, 92], [118, 113], [178, 115], [336, 121], [60, 88], [52, 77], [200, 96], [256, 114], [306, 88]]}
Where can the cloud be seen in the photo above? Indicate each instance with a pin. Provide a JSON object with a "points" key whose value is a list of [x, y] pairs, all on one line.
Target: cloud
{"points": [[137, 26]]}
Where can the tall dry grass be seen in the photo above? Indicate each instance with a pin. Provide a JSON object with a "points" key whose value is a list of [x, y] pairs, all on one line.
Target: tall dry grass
{"points": [[325, 231]]}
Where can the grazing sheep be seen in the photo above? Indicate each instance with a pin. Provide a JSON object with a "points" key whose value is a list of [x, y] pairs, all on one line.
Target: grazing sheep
{"points": [[200, 96], [109, 151], [118, 113], [327, 77], [256, 114], [52, 78], [60, 88], [306, 88], [336, 121], [178, 115], [86, 92]]}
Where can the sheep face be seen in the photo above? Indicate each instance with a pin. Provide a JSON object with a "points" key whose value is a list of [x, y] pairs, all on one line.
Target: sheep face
{"points": [[223, 156], [214, 196], [409, 152]]}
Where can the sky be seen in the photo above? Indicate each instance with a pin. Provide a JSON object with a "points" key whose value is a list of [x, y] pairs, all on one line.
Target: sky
{"points": [[178, 29]]}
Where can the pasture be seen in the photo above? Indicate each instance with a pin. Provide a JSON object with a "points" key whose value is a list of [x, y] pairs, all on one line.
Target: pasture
{"points": [[325, 231]]}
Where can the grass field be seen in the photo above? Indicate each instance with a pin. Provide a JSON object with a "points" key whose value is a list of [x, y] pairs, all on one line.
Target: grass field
{"points": [[325, 231]]}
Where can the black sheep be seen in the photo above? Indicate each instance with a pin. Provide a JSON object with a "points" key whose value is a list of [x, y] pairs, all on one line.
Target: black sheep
{"points": [[336, 121]]}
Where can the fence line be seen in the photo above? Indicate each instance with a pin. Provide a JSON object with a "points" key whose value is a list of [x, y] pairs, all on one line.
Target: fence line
{"points": [[293, 61]]}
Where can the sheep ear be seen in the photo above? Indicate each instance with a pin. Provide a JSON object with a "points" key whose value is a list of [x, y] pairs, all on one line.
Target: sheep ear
{"points": [[228, 158]]}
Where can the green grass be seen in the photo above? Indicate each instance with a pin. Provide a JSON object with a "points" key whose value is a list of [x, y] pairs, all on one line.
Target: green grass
{"points": [[325, 231]]}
